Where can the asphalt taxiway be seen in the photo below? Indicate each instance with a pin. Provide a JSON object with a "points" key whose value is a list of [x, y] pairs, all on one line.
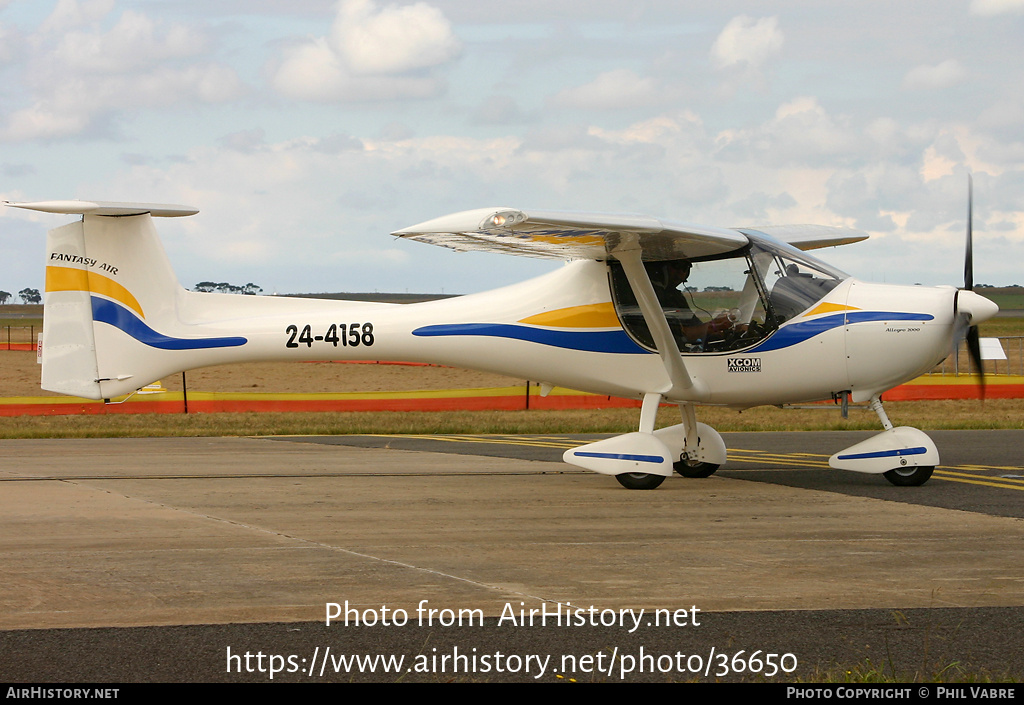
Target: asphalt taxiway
{"points": [[118, 542]]}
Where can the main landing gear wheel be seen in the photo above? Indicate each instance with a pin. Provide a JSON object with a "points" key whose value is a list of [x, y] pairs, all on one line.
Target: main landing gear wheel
{"points": [[640, 480], [909, 477], [694, 468]]}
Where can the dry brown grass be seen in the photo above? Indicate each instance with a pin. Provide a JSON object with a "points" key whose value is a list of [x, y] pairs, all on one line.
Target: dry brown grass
{"points": [[19, 377], [997, 413]]}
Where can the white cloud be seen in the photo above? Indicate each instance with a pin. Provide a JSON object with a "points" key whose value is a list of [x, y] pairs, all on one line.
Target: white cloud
{"points": [[136, 41], [499, 110], [328, 206], [747, 41], [44, 120], [80, 77], [988, 8], [70, 14], [709, 139], [621, 88], [801, 132], [314, 71], [1004, 112], [393, 39], [370, 54], [935, 164], [10, 44], [943, 75], [656, 130]]}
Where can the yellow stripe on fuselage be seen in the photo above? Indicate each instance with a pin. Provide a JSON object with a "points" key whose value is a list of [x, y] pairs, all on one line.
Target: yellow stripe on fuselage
{"points": [[829, 308], [71, 279], [588, 316]]}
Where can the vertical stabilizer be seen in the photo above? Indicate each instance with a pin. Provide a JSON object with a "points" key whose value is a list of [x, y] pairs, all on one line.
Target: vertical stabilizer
{"points": [[109, 288]]}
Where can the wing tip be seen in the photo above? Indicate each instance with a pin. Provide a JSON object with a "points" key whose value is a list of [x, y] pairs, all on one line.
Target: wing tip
{"points": [[463, 221], [812, 237]]}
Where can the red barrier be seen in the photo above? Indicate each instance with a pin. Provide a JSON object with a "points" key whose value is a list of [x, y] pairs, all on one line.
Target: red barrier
{"points": [[495, 399]]}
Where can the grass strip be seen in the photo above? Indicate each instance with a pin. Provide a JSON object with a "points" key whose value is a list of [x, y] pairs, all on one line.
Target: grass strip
{"points": [[927, 415]]}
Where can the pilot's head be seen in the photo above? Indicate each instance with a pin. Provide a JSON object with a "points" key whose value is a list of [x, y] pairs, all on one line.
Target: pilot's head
{"points": [[678, 270]]}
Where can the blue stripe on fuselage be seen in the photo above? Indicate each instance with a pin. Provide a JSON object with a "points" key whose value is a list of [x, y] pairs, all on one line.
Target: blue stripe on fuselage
{"points": [[617, 341], [796, 333], [611, 341], [106, 311]]}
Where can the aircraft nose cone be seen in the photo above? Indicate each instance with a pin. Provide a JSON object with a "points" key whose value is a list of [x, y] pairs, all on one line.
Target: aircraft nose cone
{"points": [[976, 307]]}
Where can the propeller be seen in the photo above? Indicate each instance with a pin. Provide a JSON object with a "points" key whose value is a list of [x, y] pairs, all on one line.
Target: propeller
{"points": [[967, 307]]}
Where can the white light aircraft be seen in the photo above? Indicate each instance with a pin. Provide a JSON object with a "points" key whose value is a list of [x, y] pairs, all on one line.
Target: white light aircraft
{"points": [[758, 321]]}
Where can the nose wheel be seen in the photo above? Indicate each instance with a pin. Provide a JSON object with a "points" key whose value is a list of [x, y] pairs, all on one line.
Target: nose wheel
{"points": [[640, 480], [909, 477], [694, 468]]}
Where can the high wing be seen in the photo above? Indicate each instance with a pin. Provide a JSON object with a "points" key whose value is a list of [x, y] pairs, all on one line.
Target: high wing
{"points": [[556, 235], [566, 235]]}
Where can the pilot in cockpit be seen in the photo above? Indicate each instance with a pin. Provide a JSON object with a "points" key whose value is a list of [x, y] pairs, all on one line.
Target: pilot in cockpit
{"points": [[672, 275], [668, 280]]}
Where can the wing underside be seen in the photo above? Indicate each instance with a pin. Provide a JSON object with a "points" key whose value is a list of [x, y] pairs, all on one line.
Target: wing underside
{"points": [[562, 236]]}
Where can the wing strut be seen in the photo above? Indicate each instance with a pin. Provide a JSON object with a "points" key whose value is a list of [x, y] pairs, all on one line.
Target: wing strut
{"points": [[639, 281]]}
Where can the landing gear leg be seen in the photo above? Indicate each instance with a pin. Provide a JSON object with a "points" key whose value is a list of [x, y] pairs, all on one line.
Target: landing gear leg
{"points": [[699, 449], [689, 464], [876, 406]]}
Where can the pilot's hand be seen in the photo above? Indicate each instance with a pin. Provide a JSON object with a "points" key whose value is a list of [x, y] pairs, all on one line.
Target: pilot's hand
{"points": [[721, 322]]}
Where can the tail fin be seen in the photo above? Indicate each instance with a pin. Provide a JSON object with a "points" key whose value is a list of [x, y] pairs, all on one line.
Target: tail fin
{"points": [[111, 306]]}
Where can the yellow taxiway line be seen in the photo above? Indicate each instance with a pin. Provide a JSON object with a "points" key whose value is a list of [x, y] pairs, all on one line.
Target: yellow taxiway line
{"points": [[967, 474]]}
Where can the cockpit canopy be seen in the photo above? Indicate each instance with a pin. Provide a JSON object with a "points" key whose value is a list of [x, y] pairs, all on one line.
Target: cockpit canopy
{"points": [[730, 301]]}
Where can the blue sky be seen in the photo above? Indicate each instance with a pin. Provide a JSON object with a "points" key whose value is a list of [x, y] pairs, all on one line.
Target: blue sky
{"points": [[306, 131]]}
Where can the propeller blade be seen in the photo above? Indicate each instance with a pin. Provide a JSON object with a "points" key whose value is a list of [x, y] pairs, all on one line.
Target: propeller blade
{"points": [[974, 348], [969, 256], [961, 324], [969, 308]]}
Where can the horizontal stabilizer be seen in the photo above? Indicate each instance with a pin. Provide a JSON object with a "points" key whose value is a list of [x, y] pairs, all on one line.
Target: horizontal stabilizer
{"points": [[109, 208]]}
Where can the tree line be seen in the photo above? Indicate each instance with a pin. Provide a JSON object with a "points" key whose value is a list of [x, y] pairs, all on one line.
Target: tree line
{"points": [[28, 296], [32, 296], [225, 288]]}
